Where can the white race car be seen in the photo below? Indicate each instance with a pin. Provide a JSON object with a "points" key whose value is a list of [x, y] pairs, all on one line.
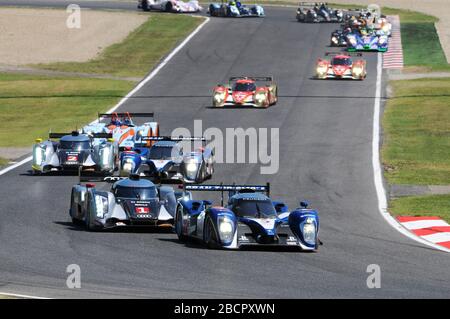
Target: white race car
{"points": [[175, 6]]}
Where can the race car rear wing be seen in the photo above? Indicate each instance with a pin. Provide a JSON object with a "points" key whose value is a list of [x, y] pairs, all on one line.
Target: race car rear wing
{"points": [[254, 78], [231, 189], [343, 53], [76, 133], [173, 138], [113, 179], [125, 114]]}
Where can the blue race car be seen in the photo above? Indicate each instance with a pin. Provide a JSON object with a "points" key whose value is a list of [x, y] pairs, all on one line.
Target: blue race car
{"points": [[367, 41], [166, 160], [250, 218], [235, 9]]}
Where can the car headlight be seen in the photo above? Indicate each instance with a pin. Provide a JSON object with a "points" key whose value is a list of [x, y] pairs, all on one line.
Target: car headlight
{"points": [[334, 39], [101, 204], [127, 166], [309, 233], [352, 40], [219, 97], [39, 154], [322, 69], [226, 229], [382, 40], [105, 152], [357, 71], [260, 98], [191, 167]]}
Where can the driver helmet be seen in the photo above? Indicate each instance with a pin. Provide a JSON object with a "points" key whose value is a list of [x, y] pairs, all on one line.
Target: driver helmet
{"points": [[232, 3], [115, 122]]}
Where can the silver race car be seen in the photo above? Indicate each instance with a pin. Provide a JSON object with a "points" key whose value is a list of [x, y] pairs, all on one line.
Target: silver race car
{"points": [[174, 6], [170, 158], [75, 151], [131, 201]]}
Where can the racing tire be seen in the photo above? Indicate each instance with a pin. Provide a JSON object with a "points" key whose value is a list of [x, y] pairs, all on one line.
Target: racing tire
{"points": [[209, 234], [145, 6], [36, 172], [88, 225], [275, 94], [76, 222], [169, 7], [179, 226]]}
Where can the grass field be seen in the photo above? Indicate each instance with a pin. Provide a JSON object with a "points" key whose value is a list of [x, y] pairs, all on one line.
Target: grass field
{"points": [[417, 133], [34, 104], [141, 50], [3, 161], [437, 205], [421, 45]]}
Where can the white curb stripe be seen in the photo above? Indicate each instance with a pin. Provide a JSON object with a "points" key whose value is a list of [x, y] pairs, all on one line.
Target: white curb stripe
{"points": [[424, 224], [437, 238], [377, 171], [393, 58], [137, 88]]}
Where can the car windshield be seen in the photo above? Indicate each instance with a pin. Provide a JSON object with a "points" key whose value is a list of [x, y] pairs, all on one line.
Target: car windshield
{"points": [[252, 208], [75, 145], [244, 87], [161, 152], [341, 61], [141, 193]]}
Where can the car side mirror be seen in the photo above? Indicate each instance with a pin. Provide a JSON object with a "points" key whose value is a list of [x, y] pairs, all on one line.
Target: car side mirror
{"points": [[207, 203], [279, 207], [304, 204]]}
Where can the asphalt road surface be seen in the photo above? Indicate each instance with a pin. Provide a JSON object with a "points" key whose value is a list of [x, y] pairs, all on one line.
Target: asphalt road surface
{"points": [[325, 158]]}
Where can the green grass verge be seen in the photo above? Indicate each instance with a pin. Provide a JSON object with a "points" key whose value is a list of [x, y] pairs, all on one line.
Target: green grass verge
{"points": [[3, 161], [34, 104], [420, 41], [436, 205], [417, 132], [143, 48]]}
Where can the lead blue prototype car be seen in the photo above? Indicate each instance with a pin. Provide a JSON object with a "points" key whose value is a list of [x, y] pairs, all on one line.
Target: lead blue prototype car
{"points": [[250, 218], [235, 9]]}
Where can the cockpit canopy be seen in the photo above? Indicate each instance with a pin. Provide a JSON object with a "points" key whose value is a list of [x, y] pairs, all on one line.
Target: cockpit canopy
{"points": [[341, 61], [139, 193], [252, 207], [244, 86]]}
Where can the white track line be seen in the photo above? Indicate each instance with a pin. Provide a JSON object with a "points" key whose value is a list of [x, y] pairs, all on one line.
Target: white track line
{"points": [[132, 92], [377, 171], [10, 168], [21, 296]]}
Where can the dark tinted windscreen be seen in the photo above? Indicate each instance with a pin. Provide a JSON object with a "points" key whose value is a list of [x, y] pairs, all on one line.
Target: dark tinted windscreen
{"points": [[254, 208], [141, 193], [244, 87], [75, 146], [161, 152], [341, 61]]}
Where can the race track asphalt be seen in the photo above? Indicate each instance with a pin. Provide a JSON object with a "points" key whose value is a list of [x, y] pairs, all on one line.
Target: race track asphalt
{"points": [[325, 158]]}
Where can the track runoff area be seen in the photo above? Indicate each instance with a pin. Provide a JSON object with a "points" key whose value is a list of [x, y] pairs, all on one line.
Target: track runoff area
{"points": [[333, 256]]}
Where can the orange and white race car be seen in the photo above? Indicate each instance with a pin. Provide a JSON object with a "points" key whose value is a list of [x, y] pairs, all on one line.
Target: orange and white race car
{"points": [[341, 66], [124, 131], [246, 91]]}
